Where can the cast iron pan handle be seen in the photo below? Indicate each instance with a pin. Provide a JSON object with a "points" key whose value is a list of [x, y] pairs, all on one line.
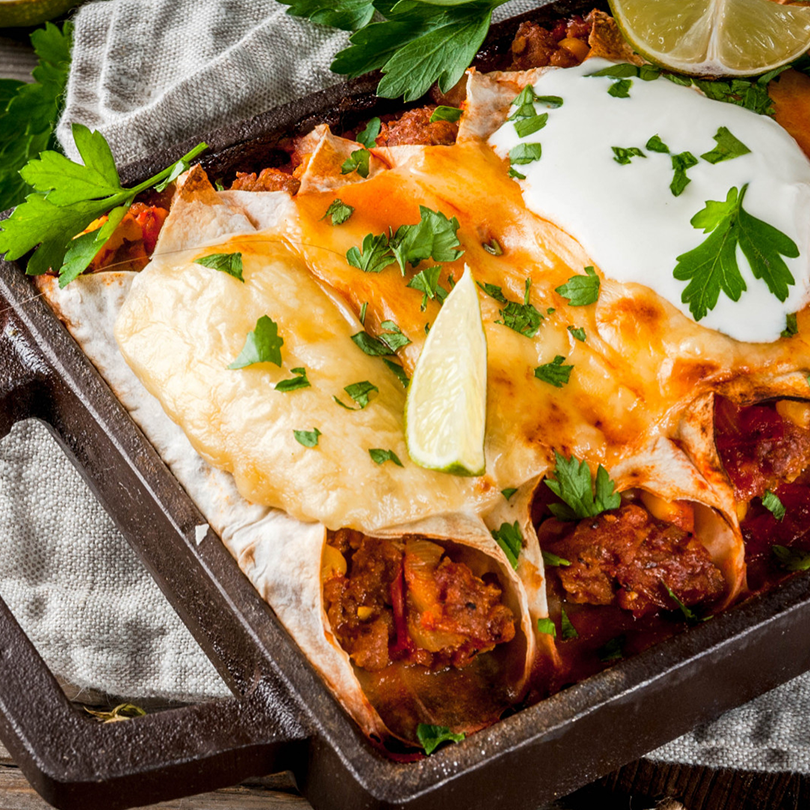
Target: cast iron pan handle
{"points": [[71, 759]]}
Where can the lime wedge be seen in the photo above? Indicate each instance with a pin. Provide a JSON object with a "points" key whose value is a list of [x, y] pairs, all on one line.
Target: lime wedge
{"points": [[445, 413], [715, 37], [14, 13]]}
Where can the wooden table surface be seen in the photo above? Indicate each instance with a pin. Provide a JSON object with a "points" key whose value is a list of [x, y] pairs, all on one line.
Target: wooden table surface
{"points": [[637, 786]]}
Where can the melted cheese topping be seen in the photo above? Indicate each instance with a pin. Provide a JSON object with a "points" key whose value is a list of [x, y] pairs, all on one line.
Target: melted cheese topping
{"points": [[626, 217]]}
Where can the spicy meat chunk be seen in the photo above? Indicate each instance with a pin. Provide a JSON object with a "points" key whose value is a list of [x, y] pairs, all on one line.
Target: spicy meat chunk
{"points": [[415, 127], [269, 179]]}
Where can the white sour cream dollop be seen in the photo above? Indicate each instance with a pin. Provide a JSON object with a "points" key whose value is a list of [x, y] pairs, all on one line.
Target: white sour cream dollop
{"points": [[626, 217]]}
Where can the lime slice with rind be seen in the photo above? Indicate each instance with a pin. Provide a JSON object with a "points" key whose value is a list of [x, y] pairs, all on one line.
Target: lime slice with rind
{"points": [[16, 13], [445, 413], [715, 37]]}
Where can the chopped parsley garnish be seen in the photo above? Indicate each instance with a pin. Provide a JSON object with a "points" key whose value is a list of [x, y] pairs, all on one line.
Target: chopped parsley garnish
{"points": [[398, 371], [368, 137], [442, 113], [526, 100], [528, 126], [772, 503], [427, 282], [553, 561], [567, 630], [573, 485], [294, 383], [387, 343], [392, 335], [308, 438], [620, 88], [622, 70], [525, 153], [363, 312], [524, 319], [688, 614], [380, 456], [376, 255], [581, 290], [358, 161], [680, 163], [338, 211], [578, 333], [508, 492], [728, 147], [546, 626], [513, 172], [493, 247], [262, 345], [712, 267], [510, 539], [230, 263], [655, 144], [791, 326], [622, 155], [791, 559], [493, 291], [748, 93], [430, 737], [554, 373], [359, 392], [612, 651]]}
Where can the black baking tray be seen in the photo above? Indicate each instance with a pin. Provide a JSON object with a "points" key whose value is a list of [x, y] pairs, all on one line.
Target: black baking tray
{"points": [[282, 716]]}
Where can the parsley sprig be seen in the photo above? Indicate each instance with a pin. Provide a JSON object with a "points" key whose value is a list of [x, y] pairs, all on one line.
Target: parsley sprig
{"points": [[574, 486]]}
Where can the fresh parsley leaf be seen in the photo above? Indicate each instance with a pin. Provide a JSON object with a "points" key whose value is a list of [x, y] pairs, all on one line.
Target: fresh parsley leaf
{"points": [[262, 345], [746, 93], [433, 237], [525, 153], [442, 113], [546, 626], [528, 126], [554, 373], [430, 737], [553, 561], [791, 326], [493, 247], [358, 161], [294, 383], [581, 290], [513, 172], [309, 438], [688, 614], [648, 73], [621, 88], [791, 559], [728, 147], [493, 291], [524, 319], [363, 312], [622, 155], [398, 371], [622, 70], [392, 336], [338, 211], [712, 267], [680, 163], [376, 255], [510, 538], [573, 485], [359, 392], [578, 333], [380, 456], [772, 503], [371, 346], [427, 282], [368, 137], [554, 102], [508, 492], [567, 630], [612, 651], [81, 250], [230, 263], [346, 14], [655, 144]]}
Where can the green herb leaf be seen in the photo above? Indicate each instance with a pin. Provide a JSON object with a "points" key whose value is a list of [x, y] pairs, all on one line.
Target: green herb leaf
{"points": [[680, 163], [510, 538], [524, 319], [515, 173], [622, 70], [508, 492], [399, 372], [339, 212], [392, 336], [430, 737], [368, 137], [581, 290], [442, 113], [358, 161], [655, 144], [346, 14], [371, 346], [748, 93], [427, 282], [359, 392], [578, 333], [376, 255], [712, 267], [573, 485], [620, 88], [380, 456], [82, 250], [567, 630], [728, 147], [772, 503], [493, 247], [791, 326], [493, 291], [553, 561], [791, 559], [230, 263], [690, 615], [294, 383], [363, 312], [262, 345], [623, 155], [546, 626], [433, 237], [309, 438], [612, 651], [554, 373], [525, 153], [528, 126]]}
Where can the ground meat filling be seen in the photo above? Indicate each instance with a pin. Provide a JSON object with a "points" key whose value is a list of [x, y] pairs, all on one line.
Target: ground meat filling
{"points": [[564, 46], [629, 558], [415, 128], [406, 600], [268, 180]]}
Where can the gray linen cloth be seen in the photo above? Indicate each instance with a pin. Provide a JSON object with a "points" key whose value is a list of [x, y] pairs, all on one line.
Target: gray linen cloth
{"points": [[147, 73]]}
